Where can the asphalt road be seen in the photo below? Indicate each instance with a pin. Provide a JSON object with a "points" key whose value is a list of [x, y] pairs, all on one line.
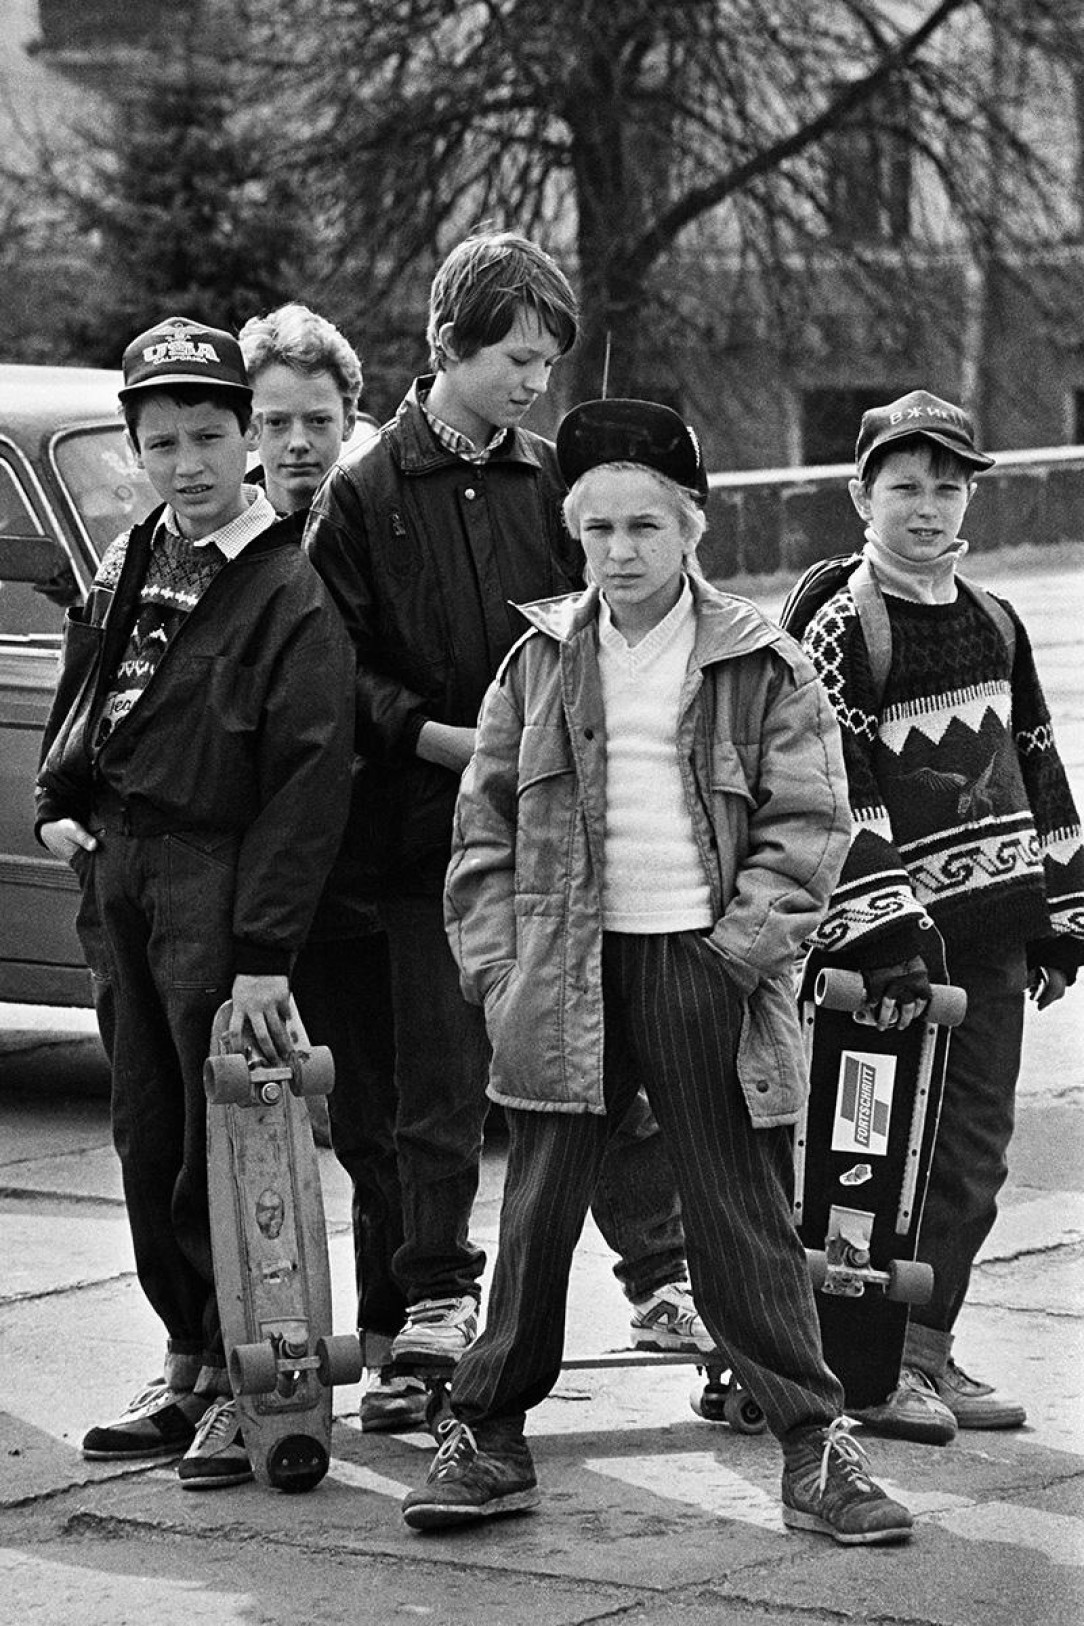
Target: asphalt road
{"points": [[649, 1515]]}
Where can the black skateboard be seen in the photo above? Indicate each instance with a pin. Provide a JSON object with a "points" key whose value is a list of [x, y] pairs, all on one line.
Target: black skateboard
{"points": [[862, 1163]]}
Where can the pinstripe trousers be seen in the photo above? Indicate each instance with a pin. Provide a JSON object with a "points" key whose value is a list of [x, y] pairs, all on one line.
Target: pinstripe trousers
{"points": [[672, 1018]]}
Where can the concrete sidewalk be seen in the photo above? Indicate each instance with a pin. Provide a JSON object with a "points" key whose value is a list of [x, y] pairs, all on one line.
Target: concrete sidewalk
{"points": [[649, 1515]]}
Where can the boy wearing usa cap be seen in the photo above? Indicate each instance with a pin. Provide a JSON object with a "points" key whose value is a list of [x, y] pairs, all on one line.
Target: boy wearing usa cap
{"points": [[653, 819], [964, 821], [202, 715]]}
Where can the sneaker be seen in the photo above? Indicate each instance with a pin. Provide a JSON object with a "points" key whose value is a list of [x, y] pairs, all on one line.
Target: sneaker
{"points": [[158, 1422], [393, 1400], [913, 1411], [975, 1404], [217, 1455], [826, 1488], [668, 1320], [437, 1331], [470, 1481]]}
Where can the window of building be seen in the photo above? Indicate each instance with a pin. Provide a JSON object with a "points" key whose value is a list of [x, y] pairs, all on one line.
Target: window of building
{"points": [[868, 180], [830, 420]]}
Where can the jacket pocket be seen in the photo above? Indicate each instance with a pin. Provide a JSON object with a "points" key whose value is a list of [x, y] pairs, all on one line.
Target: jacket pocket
{"points": [[728, 777], [546, 793], [201, 882]]}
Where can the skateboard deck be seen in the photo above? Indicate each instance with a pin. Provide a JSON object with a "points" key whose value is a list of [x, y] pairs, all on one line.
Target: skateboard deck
{"points": [[862, 1162], [269, 1245], [717, 1396]]}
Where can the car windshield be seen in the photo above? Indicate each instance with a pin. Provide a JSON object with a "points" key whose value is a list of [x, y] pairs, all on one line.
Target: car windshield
{"points": [[106, 486]]}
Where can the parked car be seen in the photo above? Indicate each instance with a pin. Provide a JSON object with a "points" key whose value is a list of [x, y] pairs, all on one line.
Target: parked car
{"points": [[68, 485]]}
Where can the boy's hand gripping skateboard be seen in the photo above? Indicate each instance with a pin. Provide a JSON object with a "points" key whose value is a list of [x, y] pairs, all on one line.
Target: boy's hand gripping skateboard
{"points": [[269, 1244], [862, 1163]]}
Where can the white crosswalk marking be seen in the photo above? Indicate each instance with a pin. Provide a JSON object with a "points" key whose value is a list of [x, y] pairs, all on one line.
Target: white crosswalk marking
{"points": [[1058, 1535], [358, 1478], [696, 1477], [699, 1479]]}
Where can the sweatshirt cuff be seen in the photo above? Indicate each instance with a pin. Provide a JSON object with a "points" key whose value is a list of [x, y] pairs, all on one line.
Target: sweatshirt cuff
{"points": [[260, 960], [1064, 954], [895, 946]]}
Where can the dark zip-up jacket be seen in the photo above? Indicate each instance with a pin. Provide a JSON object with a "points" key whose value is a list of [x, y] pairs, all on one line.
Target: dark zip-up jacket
{"points": [[423, 553], [244, 727]]}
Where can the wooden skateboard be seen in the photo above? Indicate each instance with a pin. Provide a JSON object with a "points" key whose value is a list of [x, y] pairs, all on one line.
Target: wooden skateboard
{"points": [[269, 1245], [862, 1163]]}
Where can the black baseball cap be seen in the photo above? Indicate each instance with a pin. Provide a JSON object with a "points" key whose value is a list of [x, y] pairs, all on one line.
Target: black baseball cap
{"points": [[180, 351], [619, 431], [919, 413]]}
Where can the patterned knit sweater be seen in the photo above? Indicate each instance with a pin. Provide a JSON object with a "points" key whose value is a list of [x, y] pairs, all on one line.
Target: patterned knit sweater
{"points": [[963, 813]]}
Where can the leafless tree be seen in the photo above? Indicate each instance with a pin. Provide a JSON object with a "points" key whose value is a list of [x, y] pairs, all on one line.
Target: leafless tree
{"points": [[751, 144]]}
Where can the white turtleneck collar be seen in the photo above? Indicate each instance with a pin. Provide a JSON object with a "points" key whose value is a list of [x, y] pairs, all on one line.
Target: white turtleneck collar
{"points": [[924, 581]]}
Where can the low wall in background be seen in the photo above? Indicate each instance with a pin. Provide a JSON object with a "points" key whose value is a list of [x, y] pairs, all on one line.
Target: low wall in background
{"points": [[781, 520]]}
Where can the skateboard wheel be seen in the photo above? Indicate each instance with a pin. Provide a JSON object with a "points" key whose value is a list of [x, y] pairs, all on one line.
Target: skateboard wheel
{"points": [[340, 1359], [742, 1412], [817, 1260], [947, 1006], [313, 1071], [254, 1370], [708, 1400], [910, 1281], [297, 1463], [226, 1079], [839, 990]]}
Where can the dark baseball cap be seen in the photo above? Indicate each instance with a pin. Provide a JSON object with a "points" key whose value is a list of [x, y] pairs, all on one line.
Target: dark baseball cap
{"points": [[919, 413], [643, 432], [180, 351]]}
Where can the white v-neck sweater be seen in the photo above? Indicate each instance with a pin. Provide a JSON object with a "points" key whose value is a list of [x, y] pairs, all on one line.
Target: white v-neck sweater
{"points": [[653, 878]]}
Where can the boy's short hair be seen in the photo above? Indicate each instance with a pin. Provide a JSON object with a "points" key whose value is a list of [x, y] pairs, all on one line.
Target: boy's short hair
{"points": [[918, 413], [188, 395], [483, 285], [296, 337], [944, 463]]}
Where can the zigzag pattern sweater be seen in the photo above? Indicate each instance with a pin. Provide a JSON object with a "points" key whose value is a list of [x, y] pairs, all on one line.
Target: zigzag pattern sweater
{"points": [[963, 812]]}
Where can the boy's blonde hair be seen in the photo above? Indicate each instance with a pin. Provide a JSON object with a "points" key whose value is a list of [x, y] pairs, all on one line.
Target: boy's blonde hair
{"points": [[687, 507], [295, 336]]}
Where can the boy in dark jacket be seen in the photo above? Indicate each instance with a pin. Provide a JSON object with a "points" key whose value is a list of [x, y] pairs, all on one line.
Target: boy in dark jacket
{"points": [[195, 772], [426, 537], [964, 821]]}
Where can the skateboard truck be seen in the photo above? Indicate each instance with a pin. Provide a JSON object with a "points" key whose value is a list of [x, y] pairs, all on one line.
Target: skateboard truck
{"points": [[843, 1269]]}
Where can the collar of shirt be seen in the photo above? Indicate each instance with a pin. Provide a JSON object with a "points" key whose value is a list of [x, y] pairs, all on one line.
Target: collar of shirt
{"points": [[233, 538], [459, 444]]}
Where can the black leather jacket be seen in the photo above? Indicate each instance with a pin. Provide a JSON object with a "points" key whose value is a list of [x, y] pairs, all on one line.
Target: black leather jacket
{"points": [[244, 727], [423, 553]]}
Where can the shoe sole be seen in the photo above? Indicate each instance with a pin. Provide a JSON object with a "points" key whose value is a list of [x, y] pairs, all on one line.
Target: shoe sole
{"points": [[1016, 1419], [796, 1520], [446, 1516], [917, 1434], [410, 1362], [217, 1481], [145, 1453], [653, 1344]]}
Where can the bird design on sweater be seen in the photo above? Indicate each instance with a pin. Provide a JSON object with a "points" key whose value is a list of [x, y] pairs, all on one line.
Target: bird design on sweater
{"points": [[975, 797]]}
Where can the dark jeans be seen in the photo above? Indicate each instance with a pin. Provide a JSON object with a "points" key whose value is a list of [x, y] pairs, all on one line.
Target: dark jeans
{"points": [[672, 1024], [441, 1063], [343, 991], [155, 924], [976, 1125]]}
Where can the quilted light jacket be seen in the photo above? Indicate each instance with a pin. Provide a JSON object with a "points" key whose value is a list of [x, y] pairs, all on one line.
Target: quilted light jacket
{"points": [[760, 758]]}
